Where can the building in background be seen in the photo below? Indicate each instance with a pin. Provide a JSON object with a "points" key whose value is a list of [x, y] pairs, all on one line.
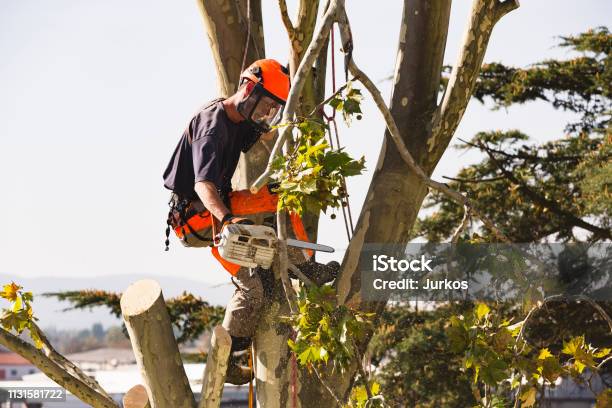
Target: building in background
{"points": [[14, 367]]}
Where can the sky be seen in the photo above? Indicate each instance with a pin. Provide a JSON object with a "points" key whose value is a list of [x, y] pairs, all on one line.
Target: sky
{"points": [[95, 95]]}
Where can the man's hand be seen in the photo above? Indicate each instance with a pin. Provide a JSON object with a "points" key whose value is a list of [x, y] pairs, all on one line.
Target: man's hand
{"points": [[267, 137], [232, 219], [210, 198]]}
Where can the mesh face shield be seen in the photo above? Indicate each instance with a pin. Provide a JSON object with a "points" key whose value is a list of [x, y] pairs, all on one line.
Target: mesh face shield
{"points": [[261, 108]]}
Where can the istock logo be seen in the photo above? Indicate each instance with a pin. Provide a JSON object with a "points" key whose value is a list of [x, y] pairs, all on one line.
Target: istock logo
{"points": [[383, 263]]}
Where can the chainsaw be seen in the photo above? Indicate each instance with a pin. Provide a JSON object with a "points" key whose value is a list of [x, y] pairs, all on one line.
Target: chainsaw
{"points": [[255, 245]]}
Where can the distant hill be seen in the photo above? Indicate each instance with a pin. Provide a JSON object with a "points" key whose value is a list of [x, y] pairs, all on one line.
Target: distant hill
{"points": [[49, 310]]}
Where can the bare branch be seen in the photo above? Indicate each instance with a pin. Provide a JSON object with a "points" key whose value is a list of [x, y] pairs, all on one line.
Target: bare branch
{"points": [[483, 17], [475, 180], [306, 64], [228, 35], [55, 370], [216, 368], [282, 5], [565, 298], [300, 275], [328, 387], [464, 223], [504, 7]]}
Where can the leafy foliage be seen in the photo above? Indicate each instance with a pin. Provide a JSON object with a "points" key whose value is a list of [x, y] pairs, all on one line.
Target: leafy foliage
{"points": [[189, 314], [348, 103], [496, 354], [19, 316], [311, 178], [415, 366], [326, 332], [359, 397], [529, 190]]}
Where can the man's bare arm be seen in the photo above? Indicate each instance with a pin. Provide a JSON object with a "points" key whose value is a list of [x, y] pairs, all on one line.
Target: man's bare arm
{"points": [[210, 198], [268, 136]]}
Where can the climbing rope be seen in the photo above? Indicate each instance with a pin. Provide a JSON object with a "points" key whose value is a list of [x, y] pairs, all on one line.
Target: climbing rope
{"points": [[347, 215], [251, 390]]}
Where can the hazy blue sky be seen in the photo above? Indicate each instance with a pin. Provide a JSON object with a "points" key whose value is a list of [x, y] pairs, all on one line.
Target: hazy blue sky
{"points": [[94, 96]]}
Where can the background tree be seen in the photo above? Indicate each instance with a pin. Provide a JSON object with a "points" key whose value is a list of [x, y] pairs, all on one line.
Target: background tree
{"points": [[536, 191]]}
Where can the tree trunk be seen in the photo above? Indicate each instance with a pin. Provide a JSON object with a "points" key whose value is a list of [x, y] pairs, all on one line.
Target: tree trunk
{"points": [[227, 27], [148, 324], [273, 368]]}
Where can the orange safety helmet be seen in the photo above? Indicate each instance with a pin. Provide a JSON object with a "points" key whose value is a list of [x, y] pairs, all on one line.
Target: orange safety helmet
{"points": [[266, 93], [271, 74]]}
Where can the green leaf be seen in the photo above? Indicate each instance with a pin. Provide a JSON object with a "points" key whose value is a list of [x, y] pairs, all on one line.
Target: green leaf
{"points": [[528, 397], [17, 305], [544, 353], [572, 346], [10, 291], [482, 310]]}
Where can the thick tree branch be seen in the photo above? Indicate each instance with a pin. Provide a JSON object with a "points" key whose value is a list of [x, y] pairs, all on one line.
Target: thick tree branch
{"points": [[215, 369], [304, 68], [228, 36], [68, 365], [483, 17], [57, 371], [399, 143]]}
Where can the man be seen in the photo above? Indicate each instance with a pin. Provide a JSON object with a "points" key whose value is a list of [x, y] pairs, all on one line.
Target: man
{"points": [[200, 172]]}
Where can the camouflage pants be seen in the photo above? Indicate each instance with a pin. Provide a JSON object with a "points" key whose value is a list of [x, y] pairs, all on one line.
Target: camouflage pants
{"points": [[243, 311]]}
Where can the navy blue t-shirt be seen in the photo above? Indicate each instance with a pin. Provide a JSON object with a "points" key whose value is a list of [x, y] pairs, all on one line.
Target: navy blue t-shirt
{"points": [[208, 151]]}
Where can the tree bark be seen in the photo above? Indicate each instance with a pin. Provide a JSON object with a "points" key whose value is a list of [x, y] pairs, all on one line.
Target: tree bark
{"points": [[226, 25], [146, 317], [273, 367], [216, 368]]}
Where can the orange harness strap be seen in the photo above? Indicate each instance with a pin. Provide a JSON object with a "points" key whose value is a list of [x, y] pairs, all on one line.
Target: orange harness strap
{"points": [[244, 202], [300, 231]]}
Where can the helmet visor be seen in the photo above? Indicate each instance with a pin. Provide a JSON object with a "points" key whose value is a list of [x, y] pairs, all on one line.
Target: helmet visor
{"points": [[267, 112], [261, 108]]}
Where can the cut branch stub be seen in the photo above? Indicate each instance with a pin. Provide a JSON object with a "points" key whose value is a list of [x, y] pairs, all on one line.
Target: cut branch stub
{"points": [[136, 397], [216, 368], [148, 324]]}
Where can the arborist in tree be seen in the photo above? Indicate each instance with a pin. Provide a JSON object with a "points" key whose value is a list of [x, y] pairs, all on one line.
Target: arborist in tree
{"points": [[202, 202]]}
